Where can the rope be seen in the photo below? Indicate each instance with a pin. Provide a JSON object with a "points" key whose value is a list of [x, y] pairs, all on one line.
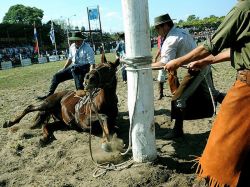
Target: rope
{"points": [[103, 168], [120, 68], [148, 68], [211, 95]]}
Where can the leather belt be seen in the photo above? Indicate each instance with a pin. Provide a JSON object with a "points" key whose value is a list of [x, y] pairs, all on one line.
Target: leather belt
{"points": [[244, 76]]}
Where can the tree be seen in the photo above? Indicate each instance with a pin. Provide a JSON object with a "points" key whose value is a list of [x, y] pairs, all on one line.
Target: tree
{"points": [[23, 15], [192, 18]]}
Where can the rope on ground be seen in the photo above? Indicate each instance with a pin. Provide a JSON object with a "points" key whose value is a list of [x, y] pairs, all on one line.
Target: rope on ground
{"points": [[103, 168]]}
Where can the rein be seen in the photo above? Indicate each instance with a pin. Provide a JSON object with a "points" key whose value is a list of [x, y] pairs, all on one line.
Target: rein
{"points": [[88, 98], [103, 168], [100, 79]]}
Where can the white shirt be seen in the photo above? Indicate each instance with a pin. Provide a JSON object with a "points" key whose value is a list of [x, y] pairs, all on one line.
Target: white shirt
{"points": [[178, 42]]}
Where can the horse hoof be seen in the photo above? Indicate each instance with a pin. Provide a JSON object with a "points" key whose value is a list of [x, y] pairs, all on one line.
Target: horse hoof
{"points": [[45, 141], [106, 147], [6, 124]]}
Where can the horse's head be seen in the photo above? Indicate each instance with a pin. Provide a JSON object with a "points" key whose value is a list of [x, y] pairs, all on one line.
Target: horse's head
{"points": [[104, 75]]}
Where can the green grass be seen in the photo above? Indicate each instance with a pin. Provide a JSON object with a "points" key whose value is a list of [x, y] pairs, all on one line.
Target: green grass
{"points": [[24, 76]]}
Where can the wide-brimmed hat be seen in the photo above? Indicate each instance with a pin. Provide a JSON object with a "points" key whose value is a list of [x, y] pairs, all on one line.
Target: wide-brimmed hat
{"points": [[76, 36], [162, 19]]}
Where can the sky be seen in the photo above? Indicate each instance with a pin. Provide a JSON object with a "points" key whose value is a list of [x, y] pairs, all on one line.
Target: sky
{"points": [[111, 10]]}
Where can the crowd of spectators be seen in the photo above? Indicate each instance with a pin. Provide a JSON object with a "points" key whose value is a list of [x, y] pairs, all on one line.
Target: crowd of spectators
{"points": [[13, 54], [201, 34], [18, 52]]}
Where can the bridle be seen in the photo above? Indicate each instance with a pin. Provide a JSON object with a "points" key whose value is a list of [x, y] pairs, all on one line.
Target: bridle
{"points": [[101, 80]]}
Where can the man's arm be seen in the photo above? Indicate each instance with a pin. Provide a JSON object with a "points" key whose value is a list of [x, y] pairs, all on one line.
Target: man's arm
{"points": [[198, 53], [157, 55], [221, 57], [69, 61]]}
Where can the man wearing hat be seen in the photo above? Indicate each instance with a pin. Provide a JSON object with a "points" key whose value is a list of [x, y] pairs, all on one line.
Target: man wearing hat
{"points": [[81, 59], [177, 42]]}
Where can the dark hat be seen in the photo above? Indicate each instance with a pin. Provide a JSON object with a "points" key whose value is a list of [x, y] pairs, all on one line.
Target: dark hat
{"points": [[76, 36], [162, 19]]}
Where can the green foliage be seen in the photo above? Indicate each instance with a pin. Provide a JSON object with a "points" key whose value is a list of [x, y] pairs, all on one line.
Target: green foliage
{"points": [[60, 36], [24, 15], [193, 21]]}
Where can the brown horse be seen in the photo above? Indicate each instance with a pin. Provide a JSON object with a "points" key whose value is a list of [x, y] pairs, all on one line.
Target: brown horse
{"points": [[79, 109]]}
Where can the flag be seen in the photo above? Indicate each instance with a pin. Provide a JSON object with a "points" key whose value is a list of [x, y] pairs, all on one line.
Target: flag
{"points": [[52, 34], [93, 14], [36, 47]]}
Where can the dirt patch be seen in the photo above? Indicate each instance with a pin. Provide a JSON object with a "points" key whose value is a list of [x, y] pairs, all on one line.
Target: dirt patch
{"points": [[67, 161]]}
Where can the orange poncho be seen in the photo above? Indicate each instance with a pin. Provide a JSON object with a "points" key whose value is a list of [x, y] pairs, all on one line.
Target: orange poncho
{"points": [[228, 147]]}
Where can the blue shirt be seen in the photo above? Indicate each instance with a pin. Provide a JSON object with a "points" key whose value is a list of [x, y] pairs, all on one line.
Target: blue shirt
{"points": [[120, 49], [83, 55]]}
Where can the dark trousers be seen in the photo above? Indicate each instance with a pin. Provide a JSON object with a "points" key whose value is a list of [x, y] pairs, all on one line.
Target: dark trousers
{"points": [[124, 74], [77, 72]]}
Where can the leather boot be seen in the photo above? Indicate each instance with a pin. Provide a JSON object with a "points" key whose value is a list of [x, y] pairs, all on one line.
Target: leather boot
{"points": [[160, 89], [178, 127]]}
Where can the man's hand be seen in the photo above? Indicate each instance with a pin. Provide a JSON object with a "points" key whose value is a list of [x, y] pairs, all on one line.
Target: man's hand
{"points": [[92, 66], [196, 65], [171, 66], [199, 64]]}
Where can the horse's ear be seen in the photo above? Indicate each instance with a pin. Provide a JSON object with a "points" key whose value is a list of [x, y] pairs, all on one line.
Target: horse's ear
{"points": [[103, 57]]}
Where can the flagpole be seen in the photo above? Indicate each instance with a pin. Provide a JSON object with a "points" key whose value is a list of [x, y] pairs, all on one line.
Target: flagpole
{"points": [[37, 43], [55, 49], [53, 33], [38, 50]]}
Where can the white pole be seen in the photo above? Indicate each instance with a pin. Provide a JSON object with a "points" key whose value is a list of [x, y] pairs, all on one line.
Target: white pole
{"points": [[55, 48], [140, 82], [68, 33]]}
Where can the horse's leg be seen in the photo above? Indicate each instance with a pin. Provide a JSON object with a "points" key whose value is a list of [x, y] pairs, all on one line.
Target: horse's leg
{"points": [[102, 118], [40, 118], [48, 131], [28, 109], [106, 146], [105, 128]]}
